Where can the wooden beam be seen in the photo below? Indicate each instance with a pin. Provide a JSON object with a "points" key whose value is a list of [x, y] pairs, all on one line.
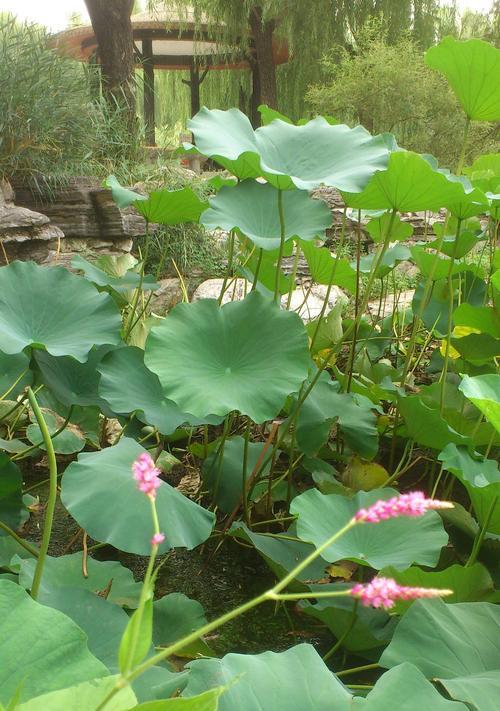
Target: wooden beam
{"points": [[149, 91]]}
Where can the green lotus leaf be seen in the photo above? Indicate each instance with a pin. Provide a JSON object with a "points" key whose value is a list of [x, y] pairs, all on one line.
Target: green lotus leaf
{"points": [[224, 478], [326, 269], [72, 439], [294, 680], [40, 649], [122, 196], [171, 207], [360, 628], [100, 482], [398, 542], [486, 504], [451, 246], [378, 228], [484, 392], [50, 308], [266, 263], [435, 266], [14, 373], [411, 184], [425, 424], [472, 69], [484, 173], [245, 356], [66, 571], [128, 281], [13, 512], [252, 208], [208, 701], [478, 691], [450, 642], [391, 257], [477, 472], [143, 392], [405, 687], [9, 549], [290, 156], [83, 697], [174, 617], [482, 318], [267, 114]]}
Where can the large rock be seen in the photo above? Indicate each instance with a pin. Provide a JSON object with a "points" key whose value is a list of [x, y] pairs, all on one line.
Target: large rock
{"points": [[167, 296]]}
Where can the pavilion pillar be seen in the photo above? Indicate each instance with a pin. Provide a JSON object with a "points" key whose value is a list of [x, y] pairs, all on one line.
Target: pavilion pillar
{"points": [[149, 91]]}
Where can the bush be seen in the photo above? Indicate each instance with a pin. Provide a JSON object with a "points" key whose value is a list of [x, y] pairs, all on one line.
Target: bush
{"points": [[390, 88]]}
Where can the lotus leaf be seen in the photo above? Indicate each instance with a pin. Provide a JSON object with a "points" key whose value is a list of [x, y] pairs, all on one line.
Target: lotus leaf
{"points": [[83, 697], [13, 512], [484, 392], [14, 368]]}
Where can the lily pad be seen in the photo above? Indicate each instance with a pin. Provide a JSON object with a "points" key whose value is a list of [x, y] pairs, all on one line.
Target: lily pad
{"points": [[252, 208], [40, 649], [174, 617], [398, 541], [484, 392], [246, 356], [100, 483], [472, 69], [290, 156], [52, 309]]}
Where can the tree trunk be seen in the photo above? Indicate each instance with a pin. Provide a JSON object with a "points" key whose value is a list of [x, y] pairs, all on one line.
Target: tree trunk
{"points": [[264, 71], [113, 30]]}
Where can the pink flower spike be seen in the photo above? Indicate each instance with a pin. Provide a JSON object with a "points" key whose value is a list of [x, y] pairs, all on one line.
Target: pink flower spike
{"points": [[146, 475], [413, 504], [157, 539], [383, 592]]}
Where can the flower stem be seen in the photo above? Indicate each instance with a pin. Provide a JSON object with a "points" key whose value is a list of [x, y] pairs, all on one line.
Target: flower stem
{"points": [[51, 502]]}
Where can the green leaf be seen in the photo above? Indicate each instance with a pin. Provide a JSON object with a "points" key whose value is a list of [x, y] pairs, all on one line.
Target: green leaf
{"points": [[99, 483], [208, 701], [224, 479], [266, 271], [411, 184], [294, 680], [425, 424], [140, 628], [326, 269], [66, 571], [245, 356], [484, 173], [478, 472], [122, 196], [468, 584], [50, 308], [252, 208], [174, 617], [484, 318], [9, 548], [405, 688], [40, 649], [378, 228], [472, 69], [12, 368], [290, 156], [398, 542], [483, 499], [13, 512], [69, 441], [171, 207], [122, 284], [484, 392], [451, 642], [479, 691], [83, 697], [268, 114], [391, 257]]}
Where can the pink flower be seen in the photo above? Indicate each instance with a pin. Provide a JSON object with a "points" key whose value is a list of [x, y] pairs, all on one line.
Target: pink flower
{"points": [[382, 592], [146, 475], [157, 539], [413, 504]]}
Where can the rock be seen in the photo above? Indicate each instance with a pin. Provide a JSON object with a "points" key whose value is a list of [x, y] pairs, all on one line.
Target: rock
{"points": [[211, 288], [308, 300], [401, 301], [166, 297]]}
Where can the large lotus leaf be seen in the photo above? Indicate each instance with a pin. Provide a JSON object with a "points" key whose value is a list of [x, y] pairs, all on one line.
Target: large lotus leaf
{"points": [[70, 381], [174, 617], [360, 628], [122, 196], [479, 691], [245, 356], [378, 228], [484, 173], [472, 69], [477, 472], [208, 701], [265, 264], [470, 584], [100, 483], [9, 549], [13, 512], [40, 649], [83, 697], [171, 207], [326, 269], [14, 368], [252, 208], [484, 392], [398, 541], [323, 406], [426, 425], [411, 184], [224, 479], [48, 307], [405, 688], [391, 257], [282, 554], [286, 155], [128, 281], [72, 438], [294, 680], [450, 641], [486, 504], [66, 571], [143, 392]]}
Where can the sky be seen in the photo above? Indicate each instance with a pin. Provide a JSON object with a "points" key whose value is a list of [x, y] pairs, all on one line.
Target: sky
{"points": [[55, 13]]}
